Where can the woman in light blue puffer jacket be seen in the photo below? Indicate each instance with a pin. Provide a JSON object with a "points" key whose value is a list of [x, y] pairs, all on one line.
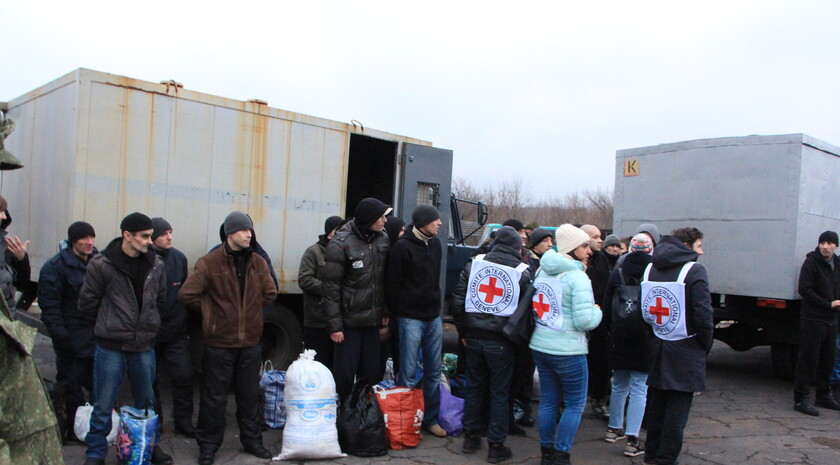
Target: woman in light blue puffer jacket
{"points": [[559, 341]]}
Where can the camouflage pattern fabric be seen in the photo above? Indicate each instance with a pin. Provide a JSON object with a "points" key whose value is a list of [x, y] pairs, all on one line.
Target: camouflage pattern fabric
{"points": [[28, 425]]}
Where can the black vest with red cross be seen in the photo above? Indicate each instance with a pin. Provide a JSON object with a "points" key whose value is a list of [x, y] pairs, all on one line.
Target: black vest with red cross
{"points": [[493, 289], [664, 305]]}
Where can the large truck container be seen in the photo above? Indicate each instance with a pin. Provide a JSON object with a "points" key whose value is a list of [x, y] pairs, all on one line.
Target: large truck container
{"points": [[98, 146], [761, 201]]}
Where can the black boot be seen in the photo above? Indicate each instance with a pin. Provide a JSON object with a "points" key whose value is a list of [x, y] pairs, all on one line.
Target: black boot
{"points": [[548, 455], [562, 458], [498, 452], [185, 428], [159, 457], [827, 401]]}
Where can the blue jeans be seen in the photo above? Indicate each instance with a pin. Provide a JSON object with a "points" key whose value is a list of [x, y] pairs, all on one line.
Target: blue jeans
{"points": [[634, 383], [415, 334], [489, 368], [109, 370], [562, 378]]}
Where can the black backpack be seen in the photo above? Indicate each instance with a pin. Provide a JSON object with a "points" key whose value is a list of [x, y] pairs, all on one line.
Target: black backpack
{"points": [[627, 320]]}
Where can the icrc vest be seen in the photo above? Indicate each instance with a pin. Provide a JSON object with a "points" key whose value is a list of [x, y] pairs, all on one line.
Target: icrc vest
{"points": [[664, 305], [548, 302], [493, 288]]}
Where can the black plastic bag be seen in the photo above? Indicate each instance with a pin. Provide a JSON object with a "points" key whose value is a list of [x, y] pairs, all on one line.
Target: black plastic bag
{"points": [[361, 426]]}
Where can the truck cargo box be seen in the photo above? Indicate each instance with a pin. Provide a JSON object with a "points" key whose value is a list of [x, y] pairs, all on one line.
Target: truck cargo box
{"points": [[761, 201]]}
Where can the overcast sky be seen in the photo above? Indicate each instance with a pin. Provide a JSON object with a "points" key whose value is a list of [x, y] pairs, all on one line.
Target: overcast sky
{"points": [[542, 91]]}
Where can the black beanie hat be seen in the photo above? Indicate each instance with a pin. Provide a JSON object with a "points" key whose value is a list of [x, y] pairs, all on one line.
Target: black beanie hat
{"points": [[515, 224], [136, 222], [424, 214], [537, 236], [393, 227], [79, 230], [368, 211], [508, 236], [828, 236], [332, 223], [161, 226]]}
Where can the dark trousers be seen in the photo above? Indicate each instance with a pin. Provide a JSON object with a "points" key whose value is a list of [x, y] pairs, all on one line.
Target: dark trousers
{"points": [[72, 374], [522, 384], [815, 362], [489, 369], [173, 359], [318, 339], [667, 415], [222, 369], [356, 357], [599, 363]]}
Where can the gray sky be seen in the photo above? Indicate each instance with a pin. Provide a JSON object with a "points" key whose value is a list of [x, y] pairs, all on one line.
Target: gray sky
{"points": [[542, 91]]}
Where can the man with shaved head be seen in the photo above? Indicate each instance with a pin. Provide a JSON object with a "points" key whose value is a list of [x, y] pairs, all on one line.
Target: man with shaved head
{"points": [[598, 270]]}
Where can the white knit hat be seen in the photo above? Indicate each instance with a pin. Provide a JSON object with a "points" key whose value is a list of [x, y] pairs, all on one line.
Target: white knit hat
{"points": [[569, 237]]}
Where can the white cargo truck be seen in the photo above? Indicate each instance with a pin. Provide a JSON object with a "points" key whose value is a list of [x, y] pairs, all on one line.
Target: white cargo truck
{"points": [[97, 146], [761, 201]]}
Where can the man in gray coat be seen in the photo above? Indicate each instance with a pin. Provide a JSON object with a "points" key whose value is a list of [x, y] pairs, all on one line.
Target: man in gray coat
{"points": [[124, 287]]}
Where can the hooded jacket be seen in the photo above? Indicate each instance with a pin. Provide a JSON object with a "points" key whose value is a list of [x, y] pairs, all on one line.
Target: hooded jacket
{"points": [[629, 353], [681, 365], [173, 314], [412, 282], [58, 294], [354, 278], [818, 286], [230, 317], [311, 282], [482, 325], [108, 294], [579, 312]]}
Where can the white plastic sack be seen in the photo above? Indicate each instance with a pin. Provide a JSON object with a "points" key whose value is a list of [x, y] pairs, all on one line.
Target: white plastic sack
{"points": [[310, 431], [81, 424]]}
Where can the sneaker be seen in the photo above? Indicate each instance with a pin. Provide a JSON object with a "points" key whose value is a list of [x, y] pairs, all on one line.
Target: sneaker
{"points": [[633, 448], [806, 408], [614, 434], [498, 453], [472, 442], [436, 430]]}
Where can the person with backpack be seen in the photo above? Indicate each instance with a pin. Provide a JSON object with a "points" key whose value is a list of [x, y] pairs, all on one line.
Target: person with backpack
{"points": [[631, 346]]}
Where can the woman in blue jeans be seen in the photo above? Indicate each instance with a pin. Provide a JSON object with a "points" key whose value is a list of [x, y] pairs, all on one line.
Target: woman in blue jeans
{"points": [[631, 351], [564, 310]]}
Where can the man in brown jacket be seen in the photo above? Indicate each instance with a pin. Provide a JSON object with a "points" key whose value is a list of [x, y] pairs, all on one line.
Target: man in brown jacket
{"points": [[230, 286]]}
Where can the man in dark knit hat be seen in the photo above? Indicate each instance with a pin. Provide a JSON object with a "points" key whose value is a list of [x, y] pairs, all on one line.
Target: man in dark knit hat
{"points": [[819, 286], [172, 347], [311, 282], [124, 288], [413, 290], [71, 331], [354, 294], [230, 286], [487, 294]]}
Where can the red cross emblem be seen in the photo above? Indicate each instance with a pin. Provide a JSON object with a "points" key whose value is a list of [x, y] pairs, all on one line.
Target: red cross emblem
{"points": [[659, 311], [491, 291], [540, 307]]}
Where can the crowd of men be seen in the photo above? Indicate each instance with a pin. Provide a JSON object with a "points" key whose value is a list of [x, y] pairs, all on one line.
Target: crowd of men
{"points": [[371, 292]]}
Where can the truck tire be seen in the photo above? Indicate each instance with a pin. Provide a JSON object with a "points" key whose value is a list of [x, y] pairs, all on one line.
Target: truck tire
{"points": [[784, 359], [282, 338]]}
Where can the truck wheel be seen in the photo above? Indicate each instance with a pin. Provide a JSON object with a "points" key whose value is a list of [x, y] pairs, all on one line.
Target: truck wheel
{"points": [[784, 359], [282, 338]]}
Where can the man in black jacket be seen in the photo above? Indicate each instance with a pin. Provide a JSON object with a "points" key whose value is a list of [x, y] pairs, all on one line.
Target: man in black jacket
{"points": [[354, 294], [413, 292], [172, 347], [124, 288], [71, 331], [819, 286], [483, 302], [677, 304], [598, 270]]}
